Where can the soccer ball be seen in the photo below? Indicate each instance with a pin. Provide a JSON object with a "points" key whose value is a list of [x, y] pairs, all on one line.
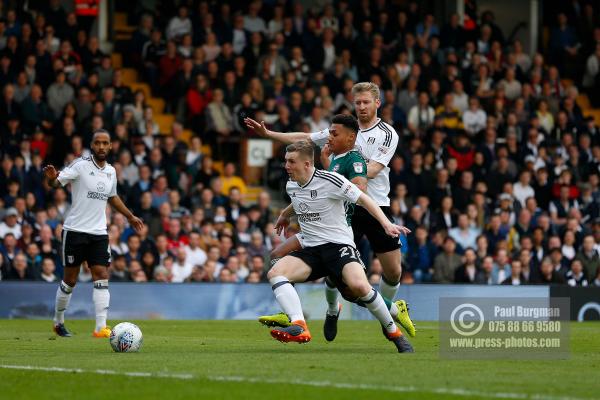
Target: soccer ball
{"points": [[126, 338]]}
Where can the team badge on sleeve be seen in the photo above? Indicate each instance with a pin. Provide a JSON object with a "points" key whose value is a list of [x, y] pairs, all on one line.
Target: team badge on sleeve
{"points": [[358, 167]]}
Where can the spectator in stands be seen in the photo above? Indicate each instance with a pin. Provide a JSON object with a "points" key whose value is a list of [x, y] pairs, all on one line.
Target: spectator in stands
{"points": [[446, 263], [467, 272]]}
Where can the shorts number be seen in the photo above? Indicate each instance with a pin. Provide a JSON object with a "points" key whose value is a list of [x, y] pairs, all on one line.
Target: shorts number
{"points": [[349, 251]]}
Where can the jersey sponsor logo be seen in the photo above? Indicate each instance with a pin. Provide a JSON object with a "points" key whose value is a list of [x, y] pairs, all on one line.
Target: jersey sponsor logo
{"points": [[348, 187], [371, 140], [303, 207], [309, 217], [101, 187], [313, 194], [358, 167], [97, 196]]}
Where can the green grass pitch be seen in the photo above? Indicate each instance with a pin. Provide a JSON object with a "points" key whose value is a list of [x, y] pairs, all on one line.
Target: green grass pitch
{"points": [[239, 360]]}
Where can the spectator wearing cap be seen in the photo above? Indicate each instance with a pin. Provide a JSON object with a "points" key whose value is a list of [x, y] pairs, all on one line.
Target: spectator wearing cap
{"points": [[10, 224]]}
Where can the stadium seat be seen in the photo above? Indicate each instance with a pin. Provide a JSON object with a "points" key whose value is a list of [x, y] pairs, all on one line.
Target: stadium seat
{"points": [[117, 60], [144, 87], [187, 136], [207, 150], [584, 102], [218, 166], [130, 76], [157, 104], [123, 31], [165, 122], [594, 113], [567, 83]]}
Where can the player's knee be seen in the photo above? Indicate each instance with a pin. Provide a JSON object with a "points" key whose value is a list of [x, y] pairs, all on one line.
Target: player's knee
{"points": [[273, 272], [360, 288], [392, 275]]}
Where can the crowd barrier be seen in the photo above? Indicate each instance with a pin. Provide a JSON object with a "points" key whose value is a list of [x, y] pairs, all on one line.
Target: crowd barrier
{"points": [[35, 300]]}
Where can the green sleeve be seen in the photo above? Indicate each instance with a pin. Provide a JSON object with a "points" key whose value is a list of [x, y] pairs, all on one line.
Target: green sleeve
{"points": [[355, 166]]}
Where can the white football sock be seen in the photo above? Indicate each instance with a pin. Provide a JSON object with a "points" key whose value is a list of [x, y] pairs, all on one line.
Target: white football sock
{"points": [[331, 294], [101, 297], [63, 297], [374, 302], [287, 297], [393, 308], [387, 289]]}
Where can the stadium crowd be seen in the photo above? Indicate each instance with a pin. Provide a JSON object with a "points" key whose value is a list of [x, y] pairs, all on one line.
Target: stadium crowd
{"points": [[497, 170]]}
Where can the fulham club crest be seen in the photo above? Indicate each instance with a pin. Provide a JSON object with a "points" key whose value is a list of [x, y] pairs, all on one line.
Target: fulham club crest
{"points": [[313, 194]]}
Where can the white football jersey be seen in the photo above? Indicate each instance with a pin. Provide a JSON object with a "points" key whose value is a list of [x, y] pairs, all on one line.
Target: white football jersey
{"points": [[319, 206], [91, 187], [377, 143]]}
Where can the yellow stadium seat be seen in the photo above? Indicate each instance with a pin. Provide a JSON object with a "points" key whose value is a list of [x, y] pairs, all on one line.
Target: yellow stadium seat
{"points": [[165, 122], [144, 87], [157, 104], [117, 60], [207, 150], [130, 76], [584, 102]]}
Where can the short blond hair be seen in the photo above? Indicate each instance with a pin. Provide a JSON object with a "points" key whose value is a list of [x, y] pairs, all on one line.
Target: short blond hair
{"points": [[370, 87], [304, 148]]}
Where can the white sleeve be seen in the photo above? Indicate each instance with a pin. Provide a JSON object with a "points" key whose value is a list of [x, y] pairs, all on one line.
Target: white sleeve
{"points": [[68, 174], [320, 138], [113, 189], [348, 191], [386, 150]]}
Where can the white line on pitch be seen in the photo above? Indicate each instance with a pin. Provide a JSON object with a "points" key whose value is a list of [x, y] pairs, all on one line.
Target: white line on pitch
{"points": [[337, 385]]}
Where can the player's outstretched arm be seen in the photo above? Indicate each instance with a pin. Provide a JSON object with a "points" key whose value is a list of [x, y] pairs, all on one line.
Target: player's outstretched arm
{"points": [[118, 205], [260, 129], [51, 175], [391, 229]]}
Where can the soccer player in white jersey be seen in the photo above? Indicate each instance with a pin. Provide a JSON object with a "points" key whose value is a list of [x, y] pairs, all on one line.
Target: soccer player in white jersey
{"points": [[84, 237], [327, 244], [377, 142]]}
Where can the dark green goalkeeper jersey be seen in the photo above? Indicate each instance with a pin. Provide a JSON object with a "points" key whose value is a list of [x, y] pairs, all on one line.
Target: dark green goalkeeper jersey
{"points": [[349, 165]]}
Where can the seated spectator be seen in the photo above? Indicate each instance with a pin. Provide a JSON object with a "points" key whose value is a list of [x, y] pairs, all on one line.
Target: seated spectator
{"points": [[467, 272], [576, 275], [516, 276], [48, 269], [446, 263]]}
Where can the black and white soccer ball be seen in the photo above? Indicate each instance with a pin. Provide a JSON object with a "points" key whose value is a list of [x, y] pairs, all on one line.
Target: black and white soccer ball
{"points": [[126, 338]]}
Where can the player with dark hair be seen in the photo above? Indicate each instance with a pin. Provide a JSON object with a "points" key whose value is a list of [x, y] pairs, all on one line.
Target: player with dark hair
{"points": [[84, 237]]}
